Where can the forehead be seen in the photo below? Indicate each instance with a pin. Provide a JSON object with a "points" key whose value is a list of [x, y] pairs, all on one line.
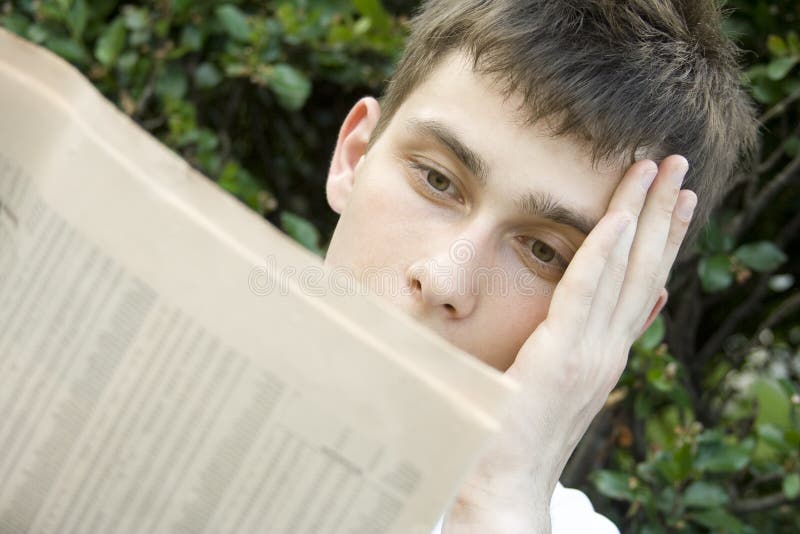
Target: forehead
{"points": [[520, 157]]}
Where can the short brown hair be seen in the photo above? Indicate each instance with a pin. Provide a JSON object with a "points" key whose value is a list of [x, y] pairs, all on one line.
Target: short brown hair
{"points": [[657, 76]]}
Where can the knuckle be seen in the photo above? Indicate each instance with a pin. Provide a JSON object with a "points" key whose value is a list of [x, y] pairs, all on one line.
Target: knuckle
{"points": [[666, 207], [675, 239], [581, 289], [618, 270]]}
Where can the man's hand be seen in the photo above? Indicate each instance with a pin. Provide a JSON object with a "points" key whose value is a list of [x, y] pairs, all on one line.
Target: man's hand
{"points": [[573, 359]]}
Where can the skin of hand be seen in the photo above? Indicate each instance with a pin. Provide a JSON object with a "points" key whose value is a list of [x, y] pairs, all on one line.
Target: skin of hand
{"points": [[574, 358]]}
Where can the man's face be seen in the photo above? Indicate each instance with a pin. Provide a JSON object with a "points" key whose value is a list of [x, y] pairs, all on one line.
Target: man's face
{"points": [[460, 214]]}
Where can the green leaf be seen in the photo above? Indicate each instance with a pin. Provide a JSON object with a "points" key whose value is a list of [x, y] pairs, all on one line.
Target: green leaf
{"points": [[715, 272], [37, 33], [766, 93], [722, 458], [234, 22], [301, 231], [77, 17], [718, 520], [756, 72], [110, 43], [658, 380], [674, 466], [774, 405], [374, 11], [776, 45], [780, 67], [16, 23], [781, 282], [361, 26], [791, 486], [772, 436], [238, 181], [761, 256], [702, 494], [290, 86], [792, 437], [714, 239], [207, 76], [127, 60], [653, 336], [136, 19], [66, 48], [172, 83], [191, 38], [613, 484]]}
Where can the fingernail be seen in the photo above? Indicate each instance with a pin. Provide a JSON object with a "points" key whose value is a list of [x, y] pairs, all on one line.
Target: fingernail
{"points": [[680, 172], [649, 173], [686, 208]]}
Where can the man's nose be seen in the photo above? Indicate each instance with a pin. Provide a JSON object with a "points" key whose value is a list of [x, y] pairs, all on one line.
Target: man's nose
{"points": [[444, 280]]}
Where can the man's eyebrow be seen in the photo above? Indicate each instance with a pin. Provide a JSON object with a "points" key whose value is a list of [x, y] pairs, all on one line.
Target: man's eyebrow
{"points": [[544, 205], [445, 136]]}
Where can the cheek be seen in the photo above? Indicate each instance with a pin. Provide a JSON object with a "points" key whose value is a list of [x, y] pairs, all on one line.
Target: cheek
{"points": [[509, 321], [379, 223]]}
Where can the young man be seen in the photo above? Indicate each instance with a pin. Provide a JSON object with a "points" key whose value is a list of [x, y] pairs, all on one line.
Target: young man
{"points": [[561, 142]]}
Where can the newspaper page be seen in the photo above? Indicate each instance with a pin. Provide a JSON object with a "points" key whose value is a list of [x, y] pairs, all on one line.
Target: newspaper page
{"points": [[161, 372]]}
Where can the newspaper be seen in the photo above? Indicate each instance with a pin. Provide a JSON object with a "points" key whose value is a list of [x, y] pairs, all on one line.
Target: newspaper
{"points": [[161, 372]]}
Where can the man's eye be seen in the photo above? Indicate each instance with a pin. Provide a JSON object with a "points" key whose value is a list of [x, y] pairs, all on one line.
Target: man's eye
{"points": [[543, 251], [437, 181]]}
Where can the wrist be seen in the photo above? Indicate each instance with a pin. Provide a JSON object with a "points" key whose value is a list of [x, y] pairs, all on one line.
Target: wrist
{"points": [[509, 506], [470, 516]]}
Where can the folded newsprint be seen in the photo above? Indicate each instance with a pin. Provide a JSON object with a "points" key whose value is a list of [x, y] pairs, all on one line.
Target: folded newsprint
{"points": [[160, 371]]}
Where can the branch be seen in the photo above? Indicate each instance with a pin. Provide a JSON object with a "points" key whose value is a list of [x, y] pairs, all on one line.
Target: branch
{"points": [[776, 154], [747, 307], [759, 504], [768, 478], [780, 107], [789, 232], [684, 323], [765, 196], [785, 309]]}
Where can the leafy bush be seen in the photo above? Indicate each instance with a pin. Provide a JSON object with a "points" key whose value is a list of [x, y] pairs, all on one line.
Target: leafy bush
{"points": [[703, 433], [252, 94]]}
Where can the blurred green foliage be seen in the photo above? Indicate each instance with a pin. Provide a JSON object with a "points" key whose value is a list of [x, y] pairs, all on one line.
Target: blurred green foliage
{"points": [[250, 93], [703, 432]]}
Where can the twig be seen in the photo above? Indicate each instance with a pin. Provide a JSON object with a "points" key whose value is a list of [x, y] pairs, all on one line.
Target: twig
{"points": [[775, 156], [233, 106], [682, 332], [759, 504], [747, 307], [789, 232], [786, 308], [764, 479], [780, 107], [765, 196]]}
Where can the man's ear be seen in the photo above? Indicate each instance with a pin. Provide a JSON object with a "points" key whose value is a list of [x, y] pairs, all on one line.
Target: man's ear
{"points": [[351, 147], [657, 307]]}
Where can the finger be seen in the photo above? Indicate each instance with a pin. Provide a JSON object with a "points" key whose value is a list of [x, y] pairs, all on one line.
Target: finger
{"points": [[628, 198], [647, 253], [573, 296], [684, 209]]}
